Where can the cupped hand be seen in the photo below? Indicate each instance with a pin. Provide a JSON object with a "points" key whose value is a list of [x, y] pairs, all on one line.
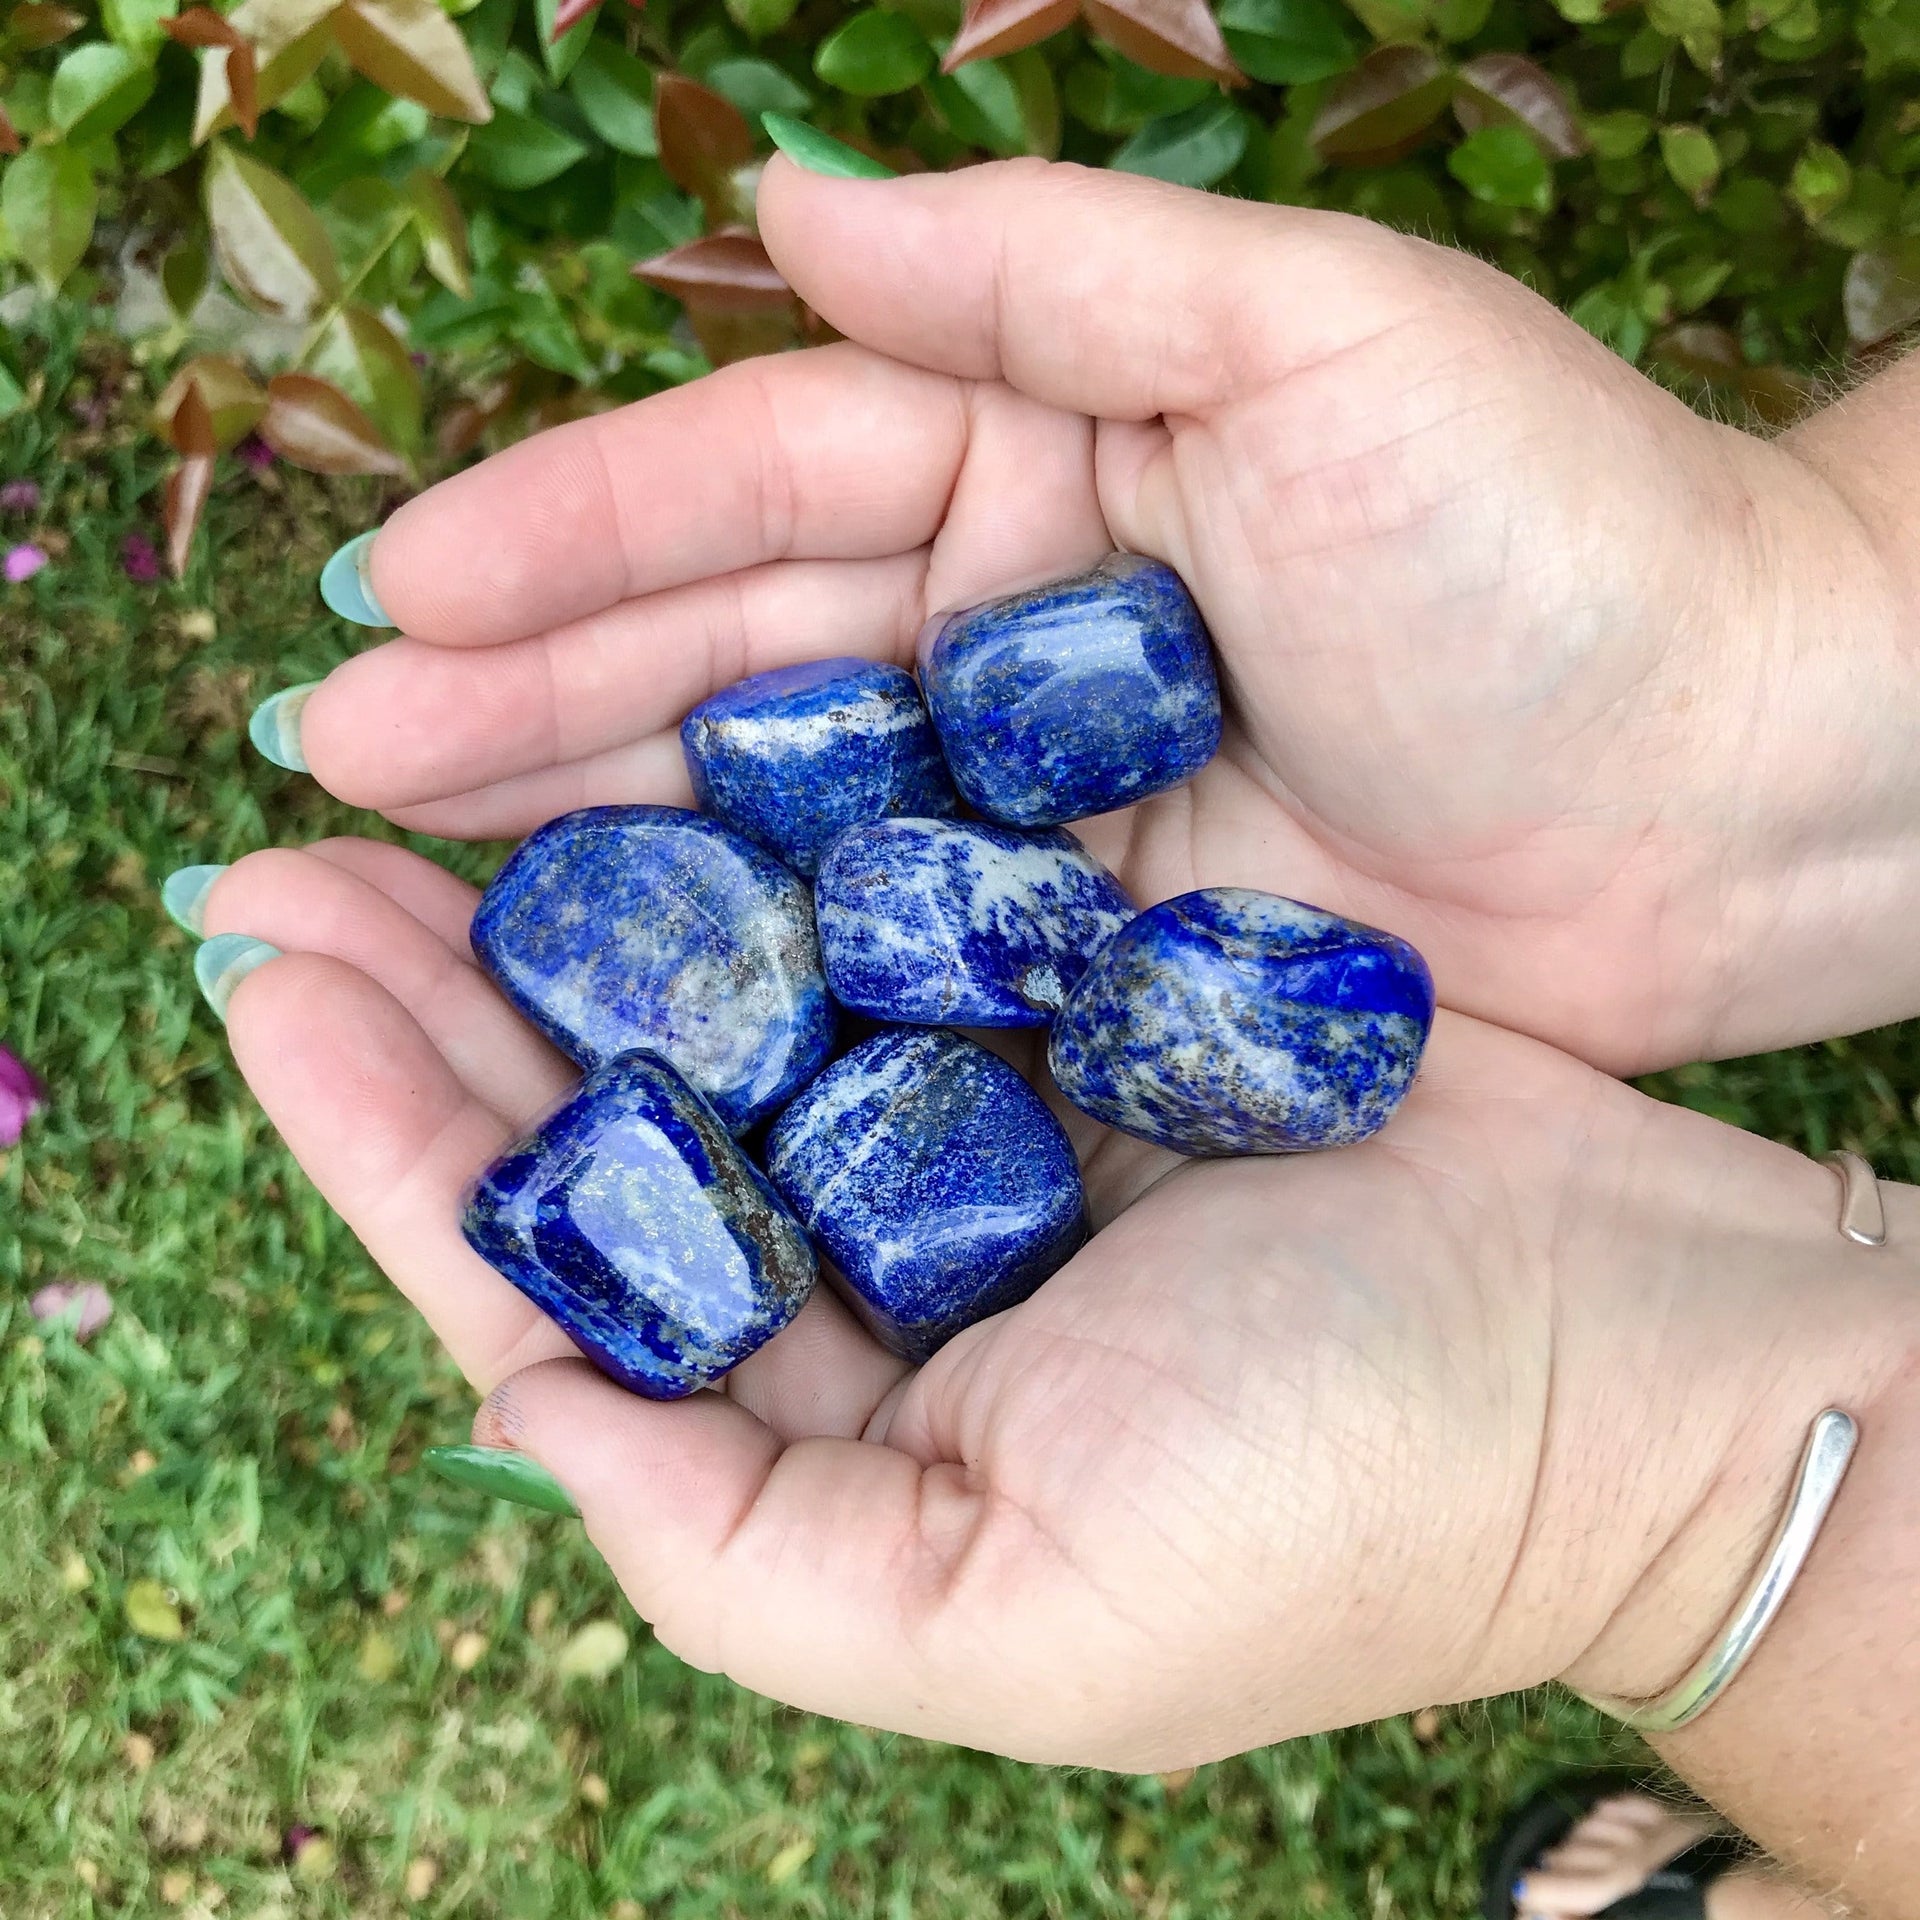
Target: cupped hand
{"points": [[1291, 1443], [1523, 660]]}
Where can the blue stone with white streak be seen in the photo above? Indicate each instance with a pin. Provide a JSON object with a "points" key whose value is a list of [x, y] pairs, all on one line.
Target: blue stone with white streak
{"points": [[1228, 1021], [794, 757], [654, 927], [960, 923], [1074, 698], [631, 1219], [935, 1179]]}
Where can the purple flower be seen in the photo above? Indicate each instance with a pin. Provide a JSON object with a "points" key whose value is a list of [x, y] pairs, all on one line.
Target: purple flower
{"points": [[139, 560], [23, 562], [20, 496], [255, 452], [59, 1299], [21, 1097], [295, 1840]]}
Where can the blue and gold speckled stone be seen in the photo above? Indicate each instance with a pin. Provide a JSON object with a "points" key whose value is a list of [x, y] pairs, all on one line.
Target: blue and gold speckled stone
{"points": [[794, 757], [1227, 1021], [630, 1217], [624, 927], [959, 924], [1075, 698], [936, 1180]]}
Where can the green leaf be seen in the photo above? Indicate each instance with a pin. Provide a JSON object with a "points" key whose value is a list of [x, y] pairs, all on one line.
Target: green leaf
{"points": [[594, 1652], [541, 329], [758, 18], [48, 199], [96, 90], [1458, 20], [1289, 42], [561, 55], [1821, 180], [1869, 215], [151, 1614], [12, 395], [136, 23], [1192, 149], [1693, 161], [1008, 106], [614, 93], [360, 355], [516, 151], [1502, 166], [1696, 24], [757, 87], [874, 53], [1618, 135], [272, 249], [411, 48]]}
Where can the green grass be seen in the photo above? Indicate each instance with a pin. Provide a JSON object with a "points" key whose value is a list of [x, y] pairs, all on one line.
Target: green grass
{"points": [[246, 1432]]}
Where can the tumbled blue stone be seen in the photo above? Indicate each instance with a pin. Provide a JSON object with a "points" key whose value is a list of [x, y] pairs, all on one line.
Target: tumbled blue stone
{"points": [[624, 927], [953, 923], [1075, 698], [794, 757], [630, 1218], [935, 1178], [1228, 1021]]}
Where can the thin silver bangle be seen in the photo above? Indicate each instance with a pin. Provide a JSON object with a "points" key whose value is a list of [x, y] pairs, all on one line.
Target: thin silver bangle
{"points": [[1823, 1466]]}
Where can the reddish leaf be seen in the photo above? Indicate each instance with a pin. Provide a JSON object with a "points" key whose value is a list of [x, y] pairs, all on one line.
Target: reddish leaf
{"points": [[202, 27], [1779, 395], [1004, 26], [189, 427], [187, 488], [1383, 108], [569, 13], [9, 139], [230, 401], [1509, 87], [1701, 349], [35, 25], [725, 272], [703, 139], [1179, 37], [727, 337], [1881, 293], [314, 425]]}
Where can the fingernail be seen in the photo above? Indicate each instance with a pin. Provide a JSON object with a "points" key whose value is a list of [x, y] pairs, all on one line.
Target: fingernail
{"points": [[1519, 1892], [502, 1474], [347, 586], [224, 961], [184, 895], [820, 152], [275, 726]]}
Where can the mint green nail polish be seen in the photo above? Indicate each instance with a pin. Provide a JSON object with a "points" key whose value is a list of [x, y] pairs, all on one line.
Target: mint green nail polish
{"points": [[501, 1474], [224, 961], [820, 152], [275, 726], [347, 586], [184, 895]]}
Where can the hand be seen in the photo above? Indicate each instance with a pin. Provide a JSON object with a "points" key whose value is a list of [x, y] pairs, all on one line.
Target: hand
{"points": [[1291, 1443], [1582, 694]]}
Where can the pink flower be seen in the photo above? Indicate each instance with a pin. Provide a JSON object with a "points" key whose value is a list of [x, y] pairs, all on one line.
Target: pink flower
{"points": [[60, 1299], [23, 562], [255, 452], [139, 560], [21, 1097], [20, 496]]}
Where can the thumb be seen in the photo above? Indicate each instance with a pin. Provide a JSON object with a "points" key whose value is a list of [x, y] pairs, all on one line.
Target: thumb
{"points": [[1102, 293]]}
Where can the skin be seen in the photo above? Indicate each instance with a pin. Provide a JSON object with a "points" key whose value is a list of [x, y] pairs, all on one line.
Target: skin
{"points": [[1524, 662]]}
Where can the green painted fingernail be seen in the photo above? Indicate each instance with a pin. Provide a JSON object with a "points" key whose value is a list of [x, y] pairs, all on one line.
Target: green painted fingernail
{"points": [[184, 895], [275, 726], [347, 586], [501, 1474], [224, 961], [820, 152]]}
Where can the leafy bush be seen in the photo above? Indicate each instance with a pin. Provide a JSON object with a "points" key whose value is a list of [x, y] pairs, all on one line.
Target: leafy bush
{"points": [[293, 200]]}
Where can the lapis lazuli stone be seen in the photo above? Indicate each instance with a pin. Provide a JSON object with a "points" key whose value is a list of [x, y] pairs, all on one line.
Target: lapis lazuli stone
{"points": [[936, 1180], [629, 1217], [1227, 1021], [625, 927], [1075, 698], [794, 757], [961, 924]]}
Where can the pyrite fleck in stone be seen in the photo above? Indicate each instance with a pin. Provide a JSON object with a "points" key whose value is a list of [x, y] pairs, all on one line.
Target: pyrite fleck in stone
{"points": [[936, 1180], [625, 927], [959, 923], [630, 1217], [1075, 698], [794, 757], [1228, 1021]]}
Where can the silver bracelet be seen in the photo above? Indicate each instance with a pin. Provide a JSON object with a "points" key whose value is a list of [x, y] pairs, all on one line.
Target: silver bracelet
{"points": [[1823, 1466]]}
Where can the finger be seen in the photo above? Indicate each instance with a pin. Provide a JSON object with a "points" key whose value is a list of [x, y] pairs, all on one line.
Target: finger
{"points": [[822, 1375], [831, 454], [1102, 293], [1576, 1895], [442, 903], [386, 1131], [302, 904], [410, 722]]}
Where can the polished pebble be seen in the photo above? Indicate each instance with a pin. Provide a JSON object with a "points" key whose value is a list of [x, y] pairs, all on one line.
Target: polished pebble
{"points": [[962, 924], [626, 927], [794, 757], [935, 1179], [1227, 1021], [1075, 698], [631, 1219]]}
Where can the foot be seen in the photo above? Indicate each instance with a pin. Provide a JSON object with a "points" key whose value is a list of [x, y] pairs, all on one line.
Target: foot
{"points": [[1620, 1845]]}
